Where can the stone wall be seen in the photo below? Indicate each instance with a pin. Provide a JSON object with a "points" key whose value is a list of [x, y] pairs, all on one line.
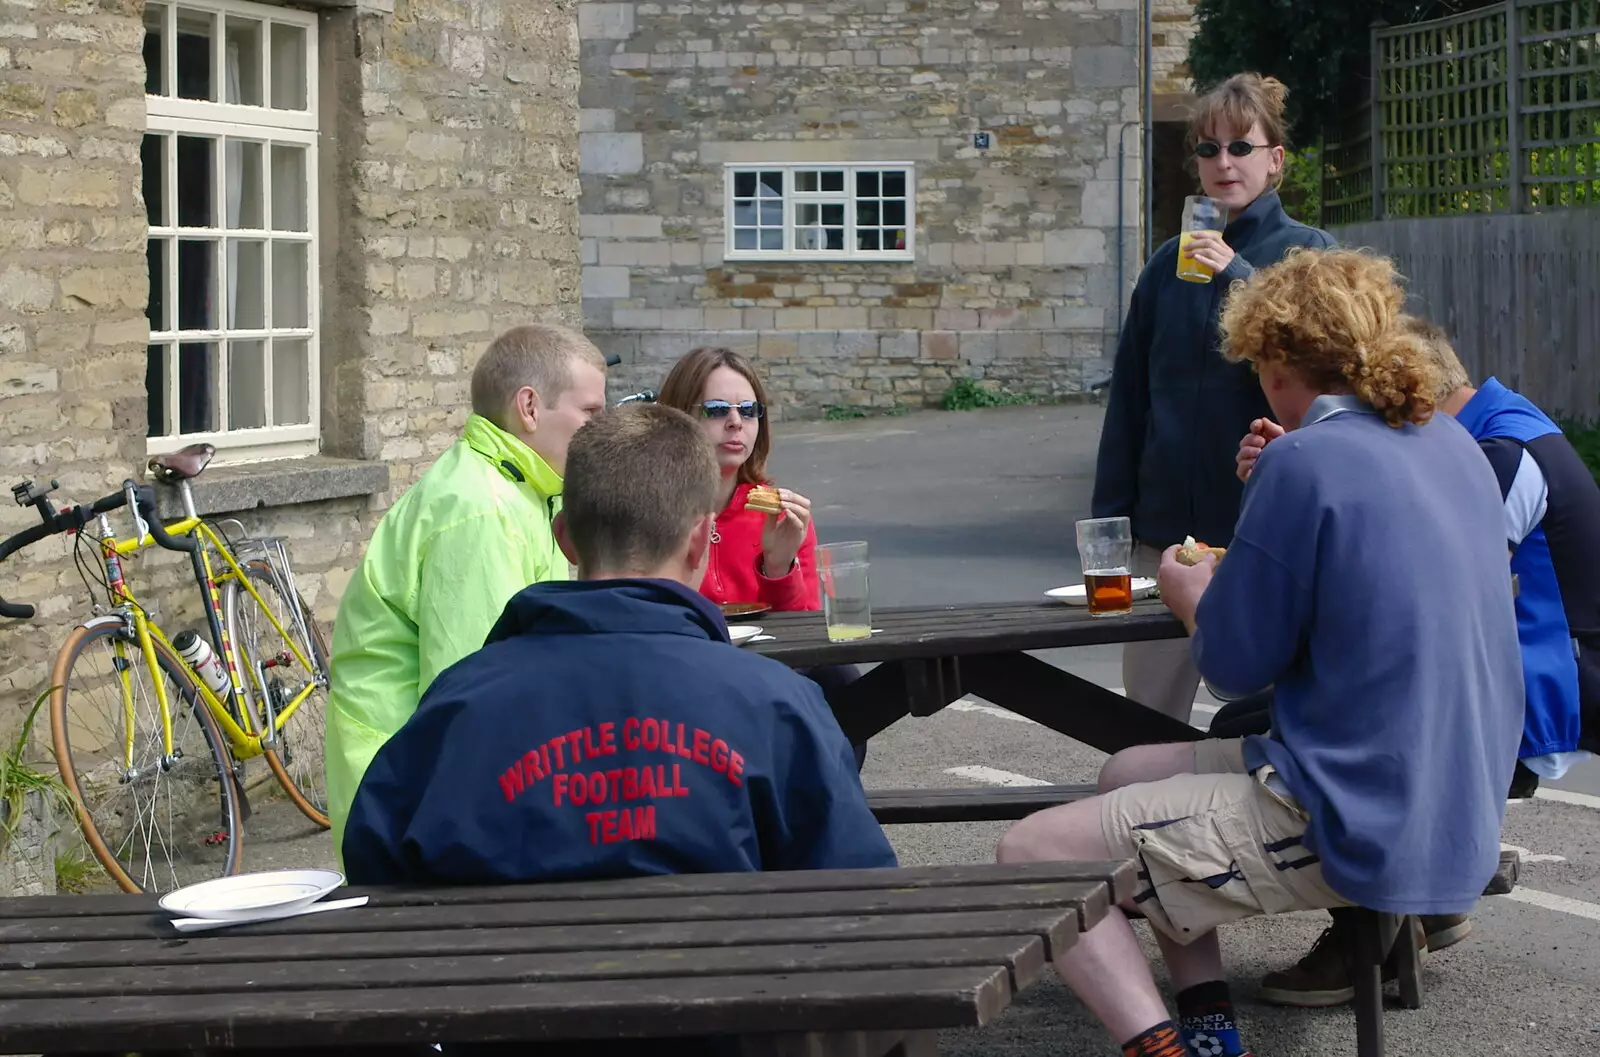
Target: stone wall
{"points": [[28, 857], [448, 191], [1173, 27], [1015, 277], [73, 287], [457, 213]]}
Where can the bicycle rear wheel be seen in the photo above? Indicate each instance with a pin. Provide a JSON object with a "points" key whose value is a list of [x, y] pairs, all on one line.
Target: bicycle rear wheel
{"points": [[272, 674], [155, 822]]}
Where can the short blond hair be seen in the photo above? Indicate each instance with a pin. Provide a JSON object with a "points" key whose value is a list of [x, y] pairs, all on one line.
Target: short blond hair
{"points": [[638, 478], [1452, 375], [537, 355], [1334, 318]]}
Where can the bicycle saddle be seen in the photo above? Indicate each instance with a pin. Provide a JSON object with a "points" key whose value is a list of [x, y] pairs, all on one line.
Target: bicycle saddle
{"points": [[183, 464]]}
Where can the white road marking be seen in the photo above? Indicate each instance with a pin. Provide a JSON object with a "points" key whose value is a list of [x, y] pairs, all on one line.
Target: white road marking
{"points": [[966, 704], [1565, 796], [991, 776], [1207, 707], [1551, 901], [1528, 857]]}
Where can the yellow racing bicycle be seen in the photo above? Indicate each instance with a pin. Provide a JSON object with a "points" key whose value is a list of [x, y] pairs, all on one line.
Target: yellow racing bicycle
{"points": [[151, 732]]}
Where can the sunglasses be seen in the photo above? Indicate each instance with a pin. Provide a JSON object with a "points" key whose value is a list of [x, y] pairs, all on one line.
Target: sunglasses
{"points": [[750, 409], [1239, 148]]}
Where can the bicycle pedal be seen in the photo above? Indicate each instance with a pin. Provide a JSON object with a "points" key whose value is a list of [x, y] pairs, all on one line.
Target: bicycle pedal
{"points": [[219, 837]]}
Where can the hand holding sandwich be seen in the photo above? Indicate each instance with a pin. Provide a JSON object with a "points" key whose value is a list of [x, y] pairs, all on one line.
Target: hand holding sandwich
{"points": [[1182, 581], [789, 516]]}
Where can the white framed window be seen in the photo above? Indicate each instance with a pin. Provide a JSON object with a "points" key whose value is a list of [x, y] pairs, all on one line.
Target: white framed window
{"points": [[230, 187], [859, 211]]}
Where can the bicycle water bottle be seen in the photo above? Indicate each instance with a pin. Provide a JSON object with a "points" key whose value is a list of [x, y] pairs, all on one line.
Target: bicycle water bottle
{"points": [[198, 654]]}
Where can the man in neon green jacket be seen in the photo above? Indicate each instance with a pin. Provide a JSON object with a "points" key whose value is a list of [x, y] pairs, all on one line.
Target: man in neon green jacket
{"points": [[447, 556]]}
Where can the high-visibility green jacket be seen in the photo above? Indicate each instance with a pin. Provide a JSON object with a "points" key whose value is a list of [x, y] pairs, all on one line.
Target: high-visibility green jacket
{"points": [[473, 531]]}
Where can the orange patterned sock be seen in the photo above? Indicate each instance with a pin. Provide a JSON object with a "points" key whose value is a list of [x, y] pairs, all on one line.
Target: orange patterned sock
{"points": [[1160, 1041]]}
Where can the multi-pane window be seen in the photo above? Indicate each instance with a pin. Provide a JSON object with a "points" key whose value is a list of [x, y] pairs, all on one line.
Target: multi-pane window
{"points": [[230, 171], [826, 211]]}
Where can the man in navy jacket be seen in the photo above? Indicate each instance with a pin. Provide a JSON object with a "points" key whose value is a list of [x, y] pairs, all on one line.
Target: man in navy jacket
{"points": [[608, 728]]}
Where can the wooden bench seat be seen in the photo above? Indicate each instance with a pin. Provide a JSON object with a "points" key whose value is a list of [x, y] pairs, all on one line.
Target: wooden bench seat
{"points": [[970, 805], [825, 963]]}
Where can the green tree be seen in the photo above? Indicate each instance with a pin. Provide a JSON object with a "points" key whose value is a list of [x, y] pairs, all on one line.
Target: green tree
{"points": [[1302, 185], [1320, 48]]}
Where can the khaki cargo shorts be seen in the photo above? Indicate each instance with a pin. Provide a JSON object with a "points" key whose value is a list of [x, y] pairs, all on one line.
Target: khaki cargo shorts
{"points": [[1215, 846]]}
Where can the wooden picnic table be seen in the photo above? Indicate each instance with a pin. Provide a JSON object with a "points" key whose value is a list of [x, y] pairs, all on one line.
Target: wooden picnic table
{"points": [[930, 656], [816, 962]]}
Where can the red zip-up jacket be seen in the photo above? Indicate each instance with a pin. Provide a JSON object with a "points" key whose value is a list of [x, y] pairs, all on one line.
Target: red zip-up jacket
{"points": [[734, 572]]}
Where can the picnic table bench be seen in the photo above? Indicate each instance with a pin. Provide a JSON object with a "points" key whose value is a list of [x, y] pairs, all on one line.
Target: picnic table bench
{"points": [[864, 962]]}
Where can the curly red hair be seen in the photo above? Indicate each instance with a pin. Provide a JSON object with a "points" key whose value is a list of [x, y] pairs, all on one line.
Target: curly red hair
{"points": [[1336, 319]]}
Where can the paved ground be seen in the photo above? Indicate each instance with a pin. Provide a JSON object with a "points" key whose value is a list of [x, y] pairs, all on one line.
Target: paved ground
{"points": [[978, 506]]}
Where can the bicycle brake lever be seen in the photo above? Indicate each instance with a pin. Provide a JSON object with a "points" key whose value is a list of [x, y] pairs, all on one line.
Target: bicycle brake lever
{"points": [[140, 525]]}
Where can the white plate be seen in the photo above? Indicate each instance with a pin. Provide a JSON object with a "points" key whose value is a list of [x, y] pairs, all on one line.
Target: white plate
{"points": [[250, 894], [743, 633], [1143, 586]]}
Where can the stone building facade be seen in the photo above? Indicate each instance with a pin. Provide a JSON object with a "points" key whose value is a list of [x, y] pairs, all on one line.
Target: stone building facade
{"points": [[289, 231], [1172, 27], [875, 197]]}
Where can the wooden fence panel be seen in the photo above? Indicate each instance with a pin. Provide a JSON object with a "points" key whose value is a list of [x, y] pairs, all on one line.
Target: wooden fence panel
{"points": [[1520, 296]]}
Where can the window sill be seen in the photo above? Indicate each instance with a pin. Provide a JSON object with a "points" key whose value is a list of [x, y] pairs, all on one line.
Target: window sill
{"points": [[748, 256], [279, 483]]}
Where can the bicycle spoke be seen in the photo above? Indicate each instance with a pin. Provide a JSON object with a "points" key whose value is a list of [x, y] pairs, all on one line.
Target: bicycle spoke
{"points": [[150, 810], [270, 650]]}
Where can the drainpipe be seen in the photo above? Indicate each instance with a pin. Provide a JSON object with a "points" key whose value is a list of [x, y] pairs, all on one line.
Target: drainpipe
{"points": [[1149, 129], [1122, 224]]}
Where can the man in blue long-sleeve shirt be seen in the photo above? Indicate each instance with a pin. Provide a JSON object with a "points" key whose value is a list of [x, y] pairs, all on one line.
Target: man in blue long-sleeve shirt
{"points": [[1367, 581]]}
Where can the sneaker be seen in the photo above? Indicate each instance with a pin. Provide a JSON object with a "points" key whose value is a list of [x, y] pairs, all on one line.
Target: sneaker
{"points": [[1322, 977], [1446, 930]]}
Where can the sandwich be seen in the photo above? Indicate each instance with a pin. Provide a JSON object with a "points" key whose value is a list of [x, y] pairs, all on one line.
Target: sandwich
{"points": [[1192, 552], [765, 500]]}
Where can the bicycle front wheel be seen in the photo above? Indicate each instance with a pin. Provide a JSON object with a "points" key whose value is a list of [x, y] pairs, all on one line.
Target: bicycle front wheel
{"points": [[272, 675], [156, 821]]}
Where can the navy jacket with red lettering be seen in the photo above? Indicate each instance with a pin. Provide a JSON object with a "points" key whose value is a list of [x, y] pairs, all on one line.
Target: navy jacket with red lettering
{"points": [[610, 729]]}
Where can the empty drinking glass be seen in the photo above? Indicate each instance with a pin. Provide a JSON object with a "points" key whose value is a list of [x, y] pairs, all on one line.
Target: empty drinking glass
{"points": [[846, 606]]}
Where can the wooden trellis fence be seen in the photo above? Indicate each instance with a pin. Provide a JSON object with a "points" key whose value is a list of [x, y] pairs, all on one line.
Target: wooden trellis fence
{"points": [[1495, 110]]}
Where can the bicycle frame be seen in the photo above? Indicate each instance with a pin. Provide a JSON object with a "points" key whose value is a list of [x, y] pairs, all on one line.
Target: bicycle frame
{"points": [[235, 719]]}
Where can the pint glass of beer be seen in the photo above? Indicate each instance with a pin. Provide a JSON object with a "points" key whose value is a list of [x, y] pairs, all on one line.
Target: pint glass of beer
{"points": [[1105, 548], [1199, 214]]}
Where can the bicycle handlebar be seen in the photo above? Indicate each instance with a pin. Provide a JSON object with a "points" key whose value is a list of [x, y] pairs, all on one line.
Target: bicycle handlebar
{"points": [[31, 534], [146, 496], [74, 518]]}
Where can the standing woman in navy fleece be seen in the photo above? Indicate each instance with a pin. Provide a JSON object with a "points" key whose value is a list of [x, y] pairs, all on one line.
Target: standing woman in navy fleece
{"points": [[1177, 408]]}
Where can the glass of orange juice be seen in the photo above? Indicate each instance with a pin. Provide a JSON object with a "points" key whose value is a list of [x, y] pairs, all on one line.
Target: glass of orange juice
{"points": [[1199, 214]]}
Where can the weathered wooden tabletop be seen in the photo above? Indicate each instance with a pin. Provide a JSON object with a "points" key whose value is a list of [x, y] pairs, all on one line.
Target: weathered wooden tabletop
{"points": [[919, 632], [762, 956], [929, 656]]}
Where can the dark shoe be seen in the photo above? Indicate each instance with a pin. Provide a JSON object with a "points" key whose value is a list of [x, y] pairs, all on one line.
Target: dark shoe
{"points": [[1524, 783], [1446, 930], [1322, 977]]}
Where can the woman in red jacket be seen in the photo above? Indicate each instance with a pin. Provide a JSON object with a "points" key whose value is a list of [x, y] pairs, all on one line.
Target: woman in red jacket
{"points": [[755, 557]]}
